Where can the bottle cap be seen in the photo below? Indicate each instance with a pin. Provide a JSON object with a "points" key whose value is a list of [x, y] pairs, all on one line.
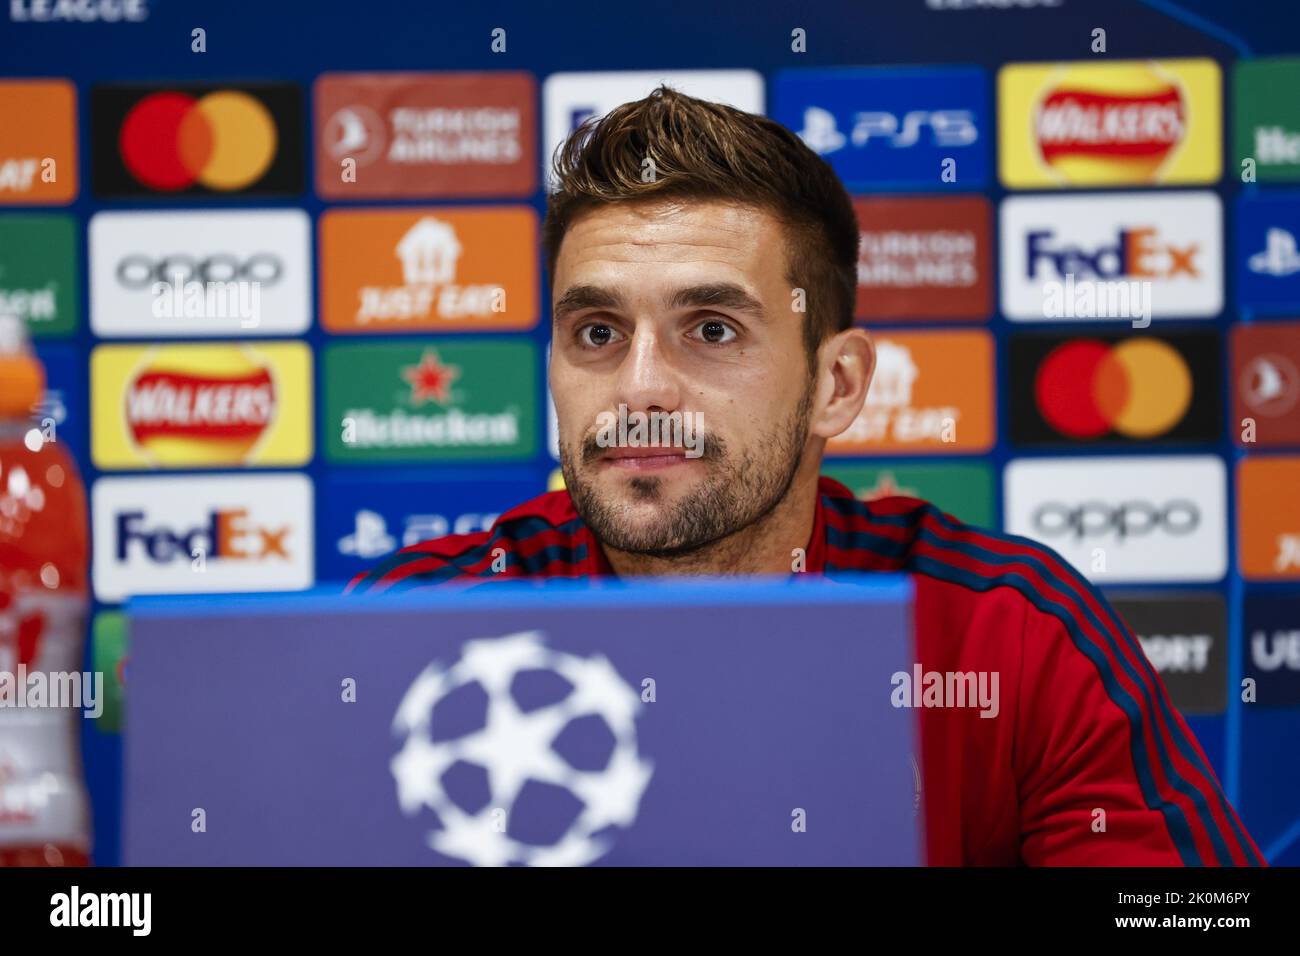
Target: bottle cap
{"points": [[22, 379]]}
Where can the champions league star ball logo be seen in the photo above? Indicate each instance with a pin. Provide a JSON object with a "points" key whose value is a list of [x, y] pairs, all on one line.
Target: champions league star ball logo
{"points": [[498, 769]]}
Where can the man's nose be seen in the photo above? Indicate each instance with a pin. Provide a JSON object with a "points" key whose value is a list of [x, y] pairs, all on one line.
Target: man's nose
{"points": [[647, 379]]}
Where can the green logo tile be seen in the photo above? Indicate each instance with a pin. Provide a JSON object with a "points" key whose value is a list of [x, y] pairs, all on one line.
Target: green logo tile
{"points": [[965, 491], [38, 271], [430, 400]]}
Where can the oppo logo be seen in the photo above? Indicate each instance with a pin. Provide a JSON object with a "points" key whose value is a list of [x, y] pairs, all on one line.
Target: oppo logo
{"points": [[141, 271], [1123, 520]]}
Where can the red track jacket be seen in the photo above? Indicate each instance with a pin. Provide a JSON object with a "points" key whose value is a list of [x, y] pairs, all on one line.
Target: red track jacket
{"points": [[1086, 735]]}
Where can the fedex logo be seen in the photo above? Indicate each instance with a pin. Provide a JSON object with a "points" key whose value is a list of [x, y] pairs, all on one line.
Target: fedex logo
{"points": [[1138, 253], [1166, 246], [195, 534], [227, 534]]}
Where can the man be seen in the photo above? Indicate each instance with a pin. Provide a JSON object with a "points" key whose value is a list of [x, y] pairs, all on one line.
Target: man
{"points": [[704, 269]]}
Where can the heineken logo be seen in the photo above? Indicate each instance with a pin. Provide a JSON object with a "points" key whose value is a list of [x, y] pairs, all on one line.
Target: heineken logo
{"points": [[420, 401]]}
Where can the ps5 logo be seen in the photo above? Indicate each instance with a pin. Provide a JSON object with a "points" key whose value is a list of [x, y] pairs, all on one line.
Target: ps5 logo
{"points": [[1278, 257], [938, 127], [370, 538]]}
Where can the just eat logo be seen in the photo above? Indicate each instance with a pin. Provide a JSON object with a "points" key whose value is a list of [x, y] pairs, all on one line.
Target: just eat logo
{"points": [[228, 534]]}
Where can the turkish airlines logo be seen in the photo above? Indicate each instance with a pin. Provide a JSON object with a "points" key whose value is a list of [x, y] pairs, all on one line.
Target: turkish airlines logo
{"points": [[924, 258], [1125, 519], [356, 132], [1266, 370], [426, 134]]}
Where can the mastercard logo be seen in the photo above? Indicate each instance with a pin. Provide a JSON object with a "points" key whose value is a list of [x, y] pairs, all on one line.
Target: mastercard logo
{"points": [[1139, 388], [225, 140]]}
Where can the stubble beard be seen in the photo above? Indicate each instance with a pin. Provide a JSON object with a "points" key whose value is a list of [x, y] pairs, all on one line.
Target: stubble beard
{"points": [[737, 493]]}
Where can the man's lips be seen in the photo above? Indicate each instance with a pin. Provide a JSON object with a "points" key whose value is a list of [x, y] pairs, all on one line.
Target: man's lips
{"points": [[644, 457]]}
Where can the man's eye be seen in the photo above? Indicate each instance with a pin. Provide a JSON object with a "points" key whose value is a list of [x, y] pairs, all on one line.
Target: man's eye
{"points": [[596, 334], [715, 332]]}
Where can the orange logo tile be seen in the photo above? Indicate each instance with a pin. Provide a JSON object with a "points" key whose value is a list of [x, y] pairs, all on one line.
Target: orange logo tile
{"points": [[38, 142], [429, 269], [932, 392], [1268, 518]]}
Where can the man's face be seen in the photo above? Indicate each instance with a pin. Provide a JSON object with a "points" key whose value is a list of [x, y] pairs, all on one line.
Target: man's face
{"points": [[677, 307]]}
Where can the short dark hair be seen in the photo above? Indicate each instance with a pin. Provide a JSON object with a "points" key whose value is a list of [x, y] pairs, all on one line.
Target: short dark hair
{"points": [[703, 150]]}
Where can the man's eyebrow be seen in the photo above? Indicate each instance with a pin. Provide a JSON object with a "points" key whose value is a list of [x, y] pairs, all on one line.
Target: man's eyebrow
{"points": [[724, 295], [579, 297]]}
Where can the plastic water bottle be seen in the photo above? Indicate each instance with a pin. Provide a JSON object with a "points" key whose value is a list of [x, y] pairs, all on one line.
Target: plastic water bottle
{"points": [[44, 536]]}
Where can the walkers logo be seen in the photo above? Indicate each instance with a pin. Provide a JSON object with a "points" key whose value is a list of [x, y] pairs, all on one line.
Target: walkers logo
{"points": [[932, 392], [177, 274], [1109, 124], [198, 139], [1268, 260], [201, 534], [1124, 519], [570, 99], [193, 406], [363, 519], [38, 272], [912, 126], [925, 258], [430, 400], [1266, 383], [422, 269], [1271, 626], [425, 134], [1185, 637], [1267, 118], [1115, 387], [962, 490], [1268, 518], [38, 142], [1112, 256]]}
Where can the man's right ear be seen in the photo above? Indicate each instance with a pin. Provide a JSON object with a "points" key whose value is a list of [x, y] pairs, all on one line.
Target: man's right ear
{"points": [[845, 364]]}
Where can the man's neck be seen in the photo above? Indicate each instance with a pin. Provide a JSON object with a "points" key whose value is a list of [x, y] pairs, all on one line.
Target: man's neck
{"points": [[770, 545]]}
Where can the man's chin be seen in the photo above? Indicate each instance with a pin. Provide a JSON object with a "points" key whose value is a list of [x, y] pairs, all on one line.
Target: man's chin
{"points": [[658, 488]]}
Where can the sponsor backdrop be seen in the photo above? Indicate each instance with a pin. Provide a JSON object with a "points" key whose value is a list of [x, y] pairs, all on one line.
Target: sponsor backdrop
{"points": [[286, 278]]}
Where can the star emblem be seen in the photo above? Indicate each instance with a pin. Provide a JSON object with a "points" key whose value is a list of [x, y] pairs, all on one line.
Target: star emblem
{"points": [[886, 487], [430, 380]]}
